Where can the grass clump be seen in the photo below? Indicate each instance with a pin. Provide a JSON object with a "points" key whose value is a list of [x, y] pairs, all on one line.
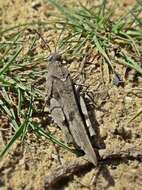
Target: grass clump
{"points": [[100, 27]]}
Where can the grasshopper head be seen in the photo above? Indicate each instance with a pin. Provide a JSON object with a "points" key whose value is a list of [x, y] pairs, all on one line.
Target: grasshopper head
{"points": [[53, 57]]}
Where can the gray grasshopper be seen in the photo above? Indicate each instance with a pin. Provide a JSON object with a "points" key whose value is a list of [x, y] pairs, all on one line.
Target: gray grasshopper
{"points": [[65, 107]]}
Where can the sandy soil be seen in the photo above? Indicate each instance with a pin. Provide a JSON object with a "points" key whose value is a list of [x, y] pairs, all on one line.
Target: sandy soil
{"points": [[34, 163]]}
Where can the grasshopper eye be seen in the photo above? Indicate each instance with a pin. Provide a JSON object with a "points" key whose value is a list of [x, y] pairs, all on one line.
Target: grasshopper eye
{"points": [[54, 57]]}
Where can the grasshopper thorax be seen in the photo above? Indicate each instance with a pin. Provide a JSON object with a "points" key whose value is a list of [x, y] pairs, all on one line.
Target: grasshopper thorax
{"points": [[53, 57]]}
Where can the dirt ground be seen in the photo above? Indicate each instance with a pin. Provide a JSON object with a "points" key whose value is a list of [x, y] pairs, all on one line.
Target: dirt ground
{"points": [[35, 163]]}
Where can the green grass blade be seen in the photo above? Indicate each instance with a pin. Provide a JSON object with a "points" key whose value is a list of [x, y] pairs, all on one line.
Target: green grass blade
{"points": [[10, 113], [28, 116], [13, 139], [133, 42], [102, 51], [127, 60], [6, 66]]}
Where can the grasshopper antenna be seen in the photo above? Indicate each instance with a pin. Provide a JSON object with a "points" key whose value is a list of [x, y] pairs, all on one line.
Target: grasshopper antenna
{"points": [[59, 37], [41, 37]]}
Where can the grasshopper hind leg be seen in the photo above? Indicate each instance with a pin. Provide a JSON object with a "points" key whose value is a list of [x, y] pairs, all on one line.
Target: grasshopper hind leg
{"points": [[59, 118]]}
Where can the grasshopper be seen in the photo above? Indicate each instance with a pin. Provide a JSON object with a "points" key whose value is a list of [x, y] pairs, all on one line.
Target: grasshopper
{"points": [[65, 107]]}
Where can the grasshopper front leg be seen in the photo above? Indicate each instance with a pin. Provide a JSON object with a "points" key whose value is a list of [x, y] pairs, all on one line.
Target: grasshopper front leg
{"points": [[49, 90]]}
